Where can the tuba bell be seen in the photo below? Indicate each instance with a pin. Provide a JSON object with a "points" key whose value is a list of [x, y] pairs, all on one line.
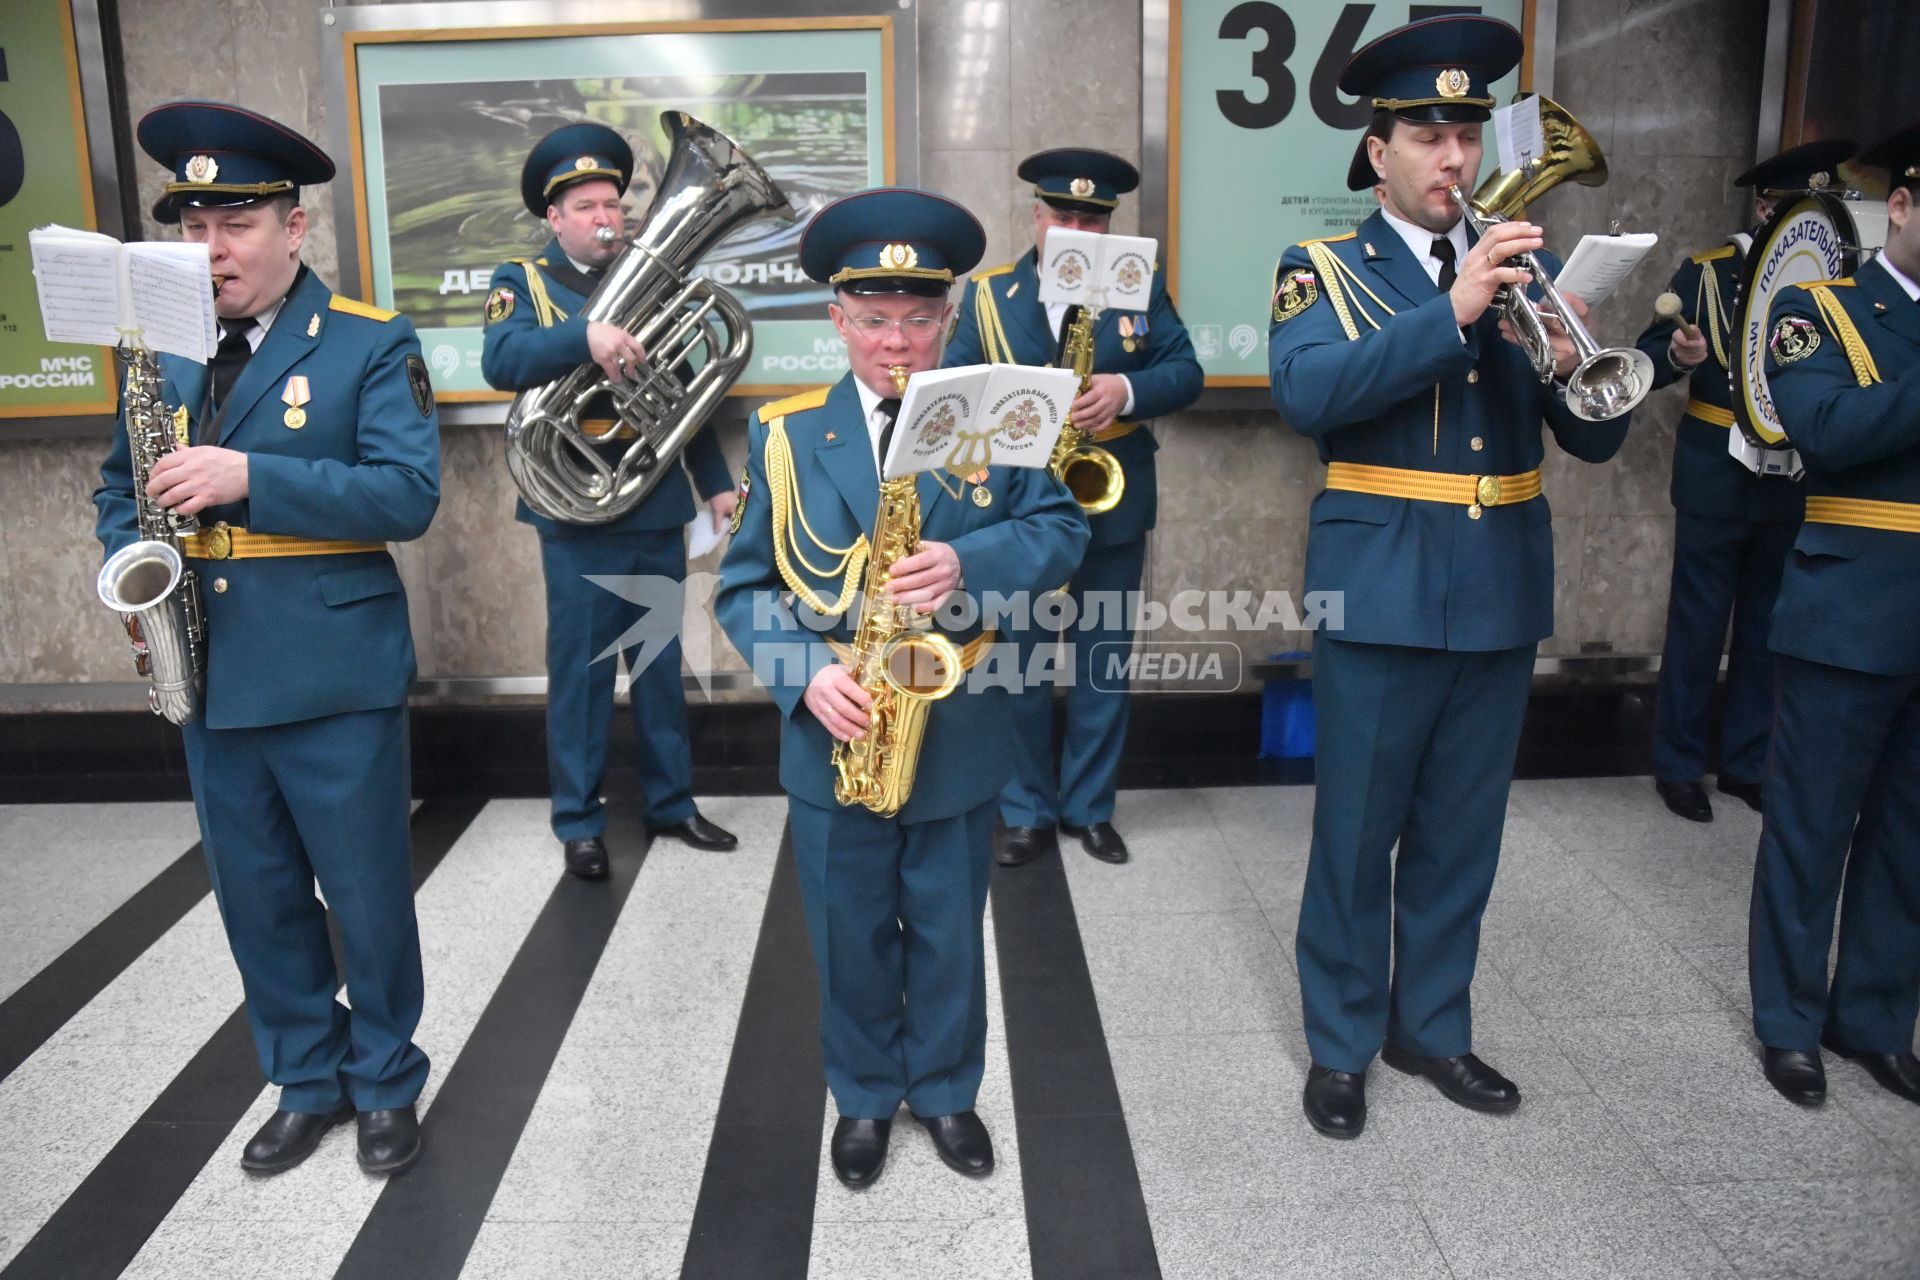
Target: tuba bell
{"points": [[1609, 381], [697, 338]]}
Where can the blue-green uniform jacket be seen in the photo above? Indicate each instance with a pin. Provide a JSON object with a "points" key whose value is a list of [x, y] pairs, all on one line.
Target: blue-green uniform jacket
{"points": [[519, 353], [365, 466], [1027, 539], [1161, 368], [1707, 480], [1851, 596], [1404, 390]]}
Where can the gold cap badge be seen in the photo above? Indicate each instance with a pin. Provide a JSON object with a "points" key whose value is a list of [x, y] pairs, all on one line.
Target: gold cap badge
{"points": [[1819, 180], [202, 169], [1453, 83], [588, 162], [899, 257], [1081, 187]]}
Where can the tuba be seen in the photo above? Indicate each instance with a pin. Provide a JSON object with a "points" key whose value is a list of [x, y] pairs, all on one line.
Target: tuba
{"points": [[697, 337], [903, 665], [1092, 474], [1609, 381], [148, 582]]}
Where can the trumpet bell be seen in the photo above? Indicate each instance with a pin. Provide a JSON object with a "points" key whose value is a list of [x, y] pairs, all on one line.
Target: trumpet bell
{"points": [[1608, 383], [1095, 479]]}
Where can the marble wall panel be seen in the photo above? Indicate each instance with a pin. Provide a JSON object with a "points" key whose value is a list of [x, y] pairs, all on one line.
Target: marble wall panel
{"points": [[978, 179], [1690, 85], [966, 76], [1623, 600], [1569, 559], [1076, 70]]}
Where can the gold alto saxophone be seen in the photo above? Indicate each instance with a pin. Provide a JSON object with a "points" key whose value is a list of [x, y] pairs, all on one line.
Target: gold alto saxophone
{"points": [[1092, 474], [148, 582], [903, 664]]}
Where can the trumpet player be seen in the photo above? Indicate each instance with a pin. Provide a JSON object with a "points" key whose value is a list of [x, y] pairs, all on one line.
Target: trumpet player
{"points": [[1843, 792], [893, 903], [311, 443], [1144, 367], [574, 179], [1387, 350], [1731, 527]]}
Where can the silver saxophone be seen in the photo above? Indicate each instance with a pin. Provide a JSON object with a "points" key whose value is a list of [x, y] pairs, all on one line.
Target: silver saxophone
{"points": [[148, 582], [696, 335]]}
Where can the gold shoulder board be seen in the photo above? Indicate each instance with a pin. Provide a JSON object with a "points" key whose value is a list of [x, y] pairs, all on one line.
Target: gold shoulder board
{"points": [[1713, 255], [365, 310], [991, 272], [794, 404], [1331, 239]]}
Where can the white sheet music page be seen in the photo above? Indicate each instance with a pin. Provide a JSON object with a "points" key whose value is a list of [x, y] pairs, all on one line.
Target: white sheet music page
{"points": [[170, 287], [78, 275], [1070, 266], [1517, 134], [1126, 272], [1599, 263], [1021, 413], [936, 406]]}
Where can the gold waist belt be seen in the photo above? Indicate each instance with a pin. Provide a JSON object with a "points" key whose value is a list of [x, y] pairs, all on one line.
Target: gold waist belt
{"points": [[1710, 413], [1865, 513], [222, 543], [1115, 430], [1471, 492]]}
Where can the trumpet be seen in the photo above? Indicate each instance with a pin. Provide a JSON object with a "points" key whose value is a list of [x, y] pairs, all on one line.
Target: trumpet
{"points": [[1608, 381]]}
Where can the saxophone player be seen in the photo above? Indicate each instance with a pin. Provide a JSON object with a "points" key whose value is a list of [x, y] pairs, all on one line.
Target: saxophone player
{"points": [[313, 444], [1145, 368], [893, 904], [573, 179]]}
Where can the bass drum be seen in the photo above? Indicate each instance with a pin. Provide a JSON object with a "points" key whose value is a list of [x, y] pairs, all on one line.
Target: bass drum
{"points": [[1815, 236]]}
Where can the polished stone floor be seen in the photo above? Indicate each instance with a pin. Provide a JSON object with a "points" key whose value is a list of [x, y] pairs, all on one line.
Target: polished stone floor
{"points": [[626, 1085]]}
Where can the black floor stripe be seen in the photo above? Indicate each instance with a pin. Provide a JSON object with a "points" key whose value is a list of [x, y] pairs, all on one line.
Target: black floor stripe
{"points": [[1085, 1212], [100, 1227], [754, 1217], [46, 1001], [424, 1223]]}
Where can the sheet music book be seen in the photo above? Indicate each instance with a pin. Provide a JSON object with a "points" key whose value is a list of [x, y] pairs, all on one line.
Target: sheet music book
{"points": [[1599, 263], [1518, 137], [1109, 271], [980, 415], [93, 289]]}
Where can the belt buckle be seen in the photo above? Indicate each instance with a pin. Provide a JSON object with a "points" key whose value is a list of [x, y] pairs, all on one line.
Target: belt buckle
{"points": [[1486, 490], [219, 542]]}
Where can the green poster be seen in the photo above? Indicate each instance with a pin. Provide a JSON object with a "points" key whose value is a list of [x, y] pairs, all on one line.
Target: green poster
{"points": [[1259, 143], [44, 178]]}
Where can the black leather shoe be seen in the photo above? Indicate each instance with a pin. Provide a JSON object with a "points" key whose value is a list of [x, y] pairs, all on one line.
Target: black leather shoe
{"points": [[1100, 840], [1465, 1079], [586, 857], [1024, 844], [389, 1139], [1747, 791], [1799, 1077], [1898, 1073], [700, 834], [1688, 799], [1335, 1101], [962, 1141], [859, 1150], [287, 1138]]}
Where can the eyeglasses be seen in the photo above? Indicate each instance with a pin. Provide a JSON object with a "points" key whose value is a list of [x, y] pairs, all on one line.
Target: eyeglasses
{"points": [[912, 326]]}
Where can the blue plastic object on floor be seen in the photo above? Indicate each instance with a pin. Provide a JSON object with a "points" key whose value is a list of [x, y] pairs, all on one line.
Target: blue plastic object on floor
{"points": [[1286, 714]]}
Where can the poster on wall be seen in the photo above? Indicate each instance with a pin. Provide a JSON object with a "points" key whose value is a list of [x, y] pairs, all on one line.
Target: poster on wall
{"points": [[45, 177], [1258, 143], [443, 121]]}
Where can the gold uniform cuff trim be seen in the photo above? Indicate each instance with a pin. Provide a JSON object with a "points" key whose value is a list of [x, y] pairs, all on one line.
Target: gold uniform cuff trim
{"points": [[221, 543], [1865, 513], [1710, 413], [1434, 486]]}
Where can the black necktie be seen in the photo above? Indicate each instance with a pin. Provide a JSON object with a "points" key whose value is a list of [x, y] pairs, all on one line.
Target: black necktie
{"points": [[1443, 250], [229, 358], [890, 407]]}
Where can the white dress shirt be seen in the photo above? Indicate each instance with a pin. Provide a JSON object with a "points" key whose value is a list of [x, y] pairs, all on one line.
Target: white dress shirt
{"points": [[876, 420], [257, 331], [1899, 277], [1420, 240]]}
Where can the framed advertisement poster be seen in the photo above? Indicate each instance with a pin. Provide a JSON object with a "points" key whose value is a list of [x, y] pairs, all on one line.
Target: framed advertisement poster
{"points": [[46, 176], [442, 102], [1244, 102]]}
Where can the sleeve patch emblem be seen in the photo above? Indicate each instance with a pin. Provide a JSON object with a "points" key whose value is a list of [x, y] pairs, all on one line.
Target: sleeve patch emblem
{"points": [[499, 305], [420, 385], [1794, 338], [1296, 291]]}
